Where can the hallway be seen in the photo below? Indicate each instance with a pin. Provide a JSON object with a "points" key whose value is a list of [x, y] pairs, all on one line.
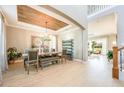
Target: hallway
{"points": [[94, 73]]}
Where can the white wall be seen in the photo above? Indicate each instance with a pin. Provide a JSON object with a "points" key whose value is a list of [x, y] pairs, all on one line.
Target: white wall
{"points": [[21, 38], [120, 26], [85, 45], [76, 35], [112, 41], [105, 25]]}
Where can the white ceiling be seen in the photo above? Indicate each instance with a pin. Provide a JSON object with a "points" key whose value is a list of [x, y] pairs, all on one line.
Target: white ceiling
{"points": [[10, 14], [76, 12], [101, 26]]}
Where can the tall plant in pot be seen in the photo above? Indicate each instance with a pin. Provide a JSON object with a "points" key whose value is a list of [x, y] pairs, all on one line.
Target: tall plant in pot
{"points": [[110, 55], [12, 54]]}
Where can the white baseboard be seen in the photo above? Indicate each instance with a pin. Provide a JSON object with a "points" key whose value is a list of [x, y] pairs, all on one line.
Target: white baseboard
{"points": [[78, 60]]}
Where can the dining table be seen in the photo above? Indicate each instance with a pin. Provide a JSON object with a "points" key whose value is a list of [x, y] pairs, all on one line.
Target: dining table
{"points": [[46, 58], [25, 55]]}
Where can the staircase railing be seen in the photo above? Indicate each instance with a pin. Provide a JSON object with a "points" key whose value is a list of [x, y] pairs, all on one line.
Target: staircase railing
{"points": [[121, 51], [117, 52], [97, 8]]}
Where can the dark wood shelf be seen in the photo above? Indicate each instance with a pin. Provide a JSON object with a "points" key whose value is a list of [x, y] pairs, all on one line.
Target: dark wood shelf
{"points": [[68, 46]]}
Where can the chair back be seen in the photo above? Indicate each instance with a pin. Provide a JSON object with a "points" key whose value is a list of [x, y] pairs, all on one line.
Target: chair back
{"points": [[26, 51], [64, 52], [53, 50], [33, 55]]}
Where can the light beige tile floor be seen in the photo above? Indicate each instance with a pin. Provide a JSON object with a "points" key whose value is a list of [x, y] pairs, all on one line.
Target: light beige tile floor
{"points": [[94, 73]]}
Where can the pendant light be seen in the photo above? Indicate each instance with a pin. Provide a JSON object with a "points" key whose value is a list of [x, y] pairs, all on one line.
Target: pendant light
{"points": [[46, 33]]}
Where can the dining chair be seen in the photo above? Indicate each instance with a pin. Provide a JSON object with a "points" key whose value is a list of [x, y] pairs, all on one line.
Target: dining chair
{"points": [[32, 60], [63, 56], [25, 57]]}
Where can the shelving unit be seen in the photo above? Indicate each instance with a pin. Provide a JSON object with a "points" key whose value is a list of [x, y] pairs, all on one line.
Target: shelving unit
{"points": [[68, 46]]}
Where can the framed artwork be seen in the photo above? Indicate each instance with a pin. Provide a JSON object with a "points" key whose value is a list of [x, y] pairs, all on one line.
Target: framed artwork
{"points": [[39, 42], [36, 41]]}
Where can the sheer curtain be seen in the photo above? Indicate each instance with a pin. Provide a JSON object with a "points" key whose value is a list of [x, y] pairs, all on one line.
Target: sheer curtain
{"points": [[3, 57]]}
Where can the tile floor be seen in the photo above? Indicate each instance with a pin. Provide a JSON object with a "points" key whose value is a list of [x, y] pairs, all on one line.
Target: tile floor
{"points": [[94, 73]]}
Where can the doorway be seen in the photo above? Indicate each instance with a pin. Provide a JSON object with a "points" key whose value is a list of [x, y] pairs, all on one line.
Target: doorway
{"points": [[102, 35]]}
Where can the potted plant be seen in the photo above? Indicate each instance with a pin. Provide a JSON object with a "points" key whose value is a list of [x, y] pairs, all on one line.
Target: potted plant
{"points": [[110, 55], [94, 43], [12, 54]]}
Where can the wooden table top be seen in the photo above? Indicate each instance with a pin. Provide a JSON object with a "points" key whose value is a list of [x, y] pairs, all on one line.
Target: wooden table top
{"points": [[42, 54]]}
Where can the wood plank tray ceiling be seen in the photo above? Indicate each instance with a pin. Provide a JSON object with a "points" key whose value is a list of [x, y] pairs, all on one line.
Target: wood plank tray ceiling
{"points": [[29, 15]]}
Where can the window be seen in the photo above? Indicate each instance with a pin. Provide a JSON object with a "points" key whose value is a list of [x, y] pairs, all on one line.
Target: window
{"points": [[52, 42]]}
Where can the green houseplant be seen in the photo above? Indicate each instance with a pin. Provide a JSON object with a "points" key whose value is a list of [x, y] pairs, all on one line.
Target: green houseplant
{"points": [[94, 43], [12, 54], [110, 55]]}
